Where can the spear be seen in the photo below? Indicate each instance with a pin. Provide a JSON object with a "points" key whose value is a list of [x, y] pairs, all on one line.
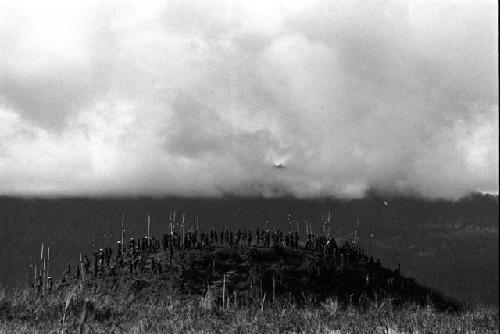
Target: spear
{"points": [[42, 259], [183, 219], [329, 223], [81, 268], [149, 223], [170, 222], [223, 289], [356, 231], [123, 230], [339, 230], [274, 284], [43, 277], [48, 259], [371, 235], [173, 218], [323, 223], [31, 266]]}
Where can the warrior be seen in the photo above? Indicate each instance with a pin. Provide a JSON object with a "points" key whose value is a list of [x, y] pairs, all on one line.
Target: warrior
{"points": [[86, 264], [118, 248], [131, 245], [66, 272], [50, 283]]}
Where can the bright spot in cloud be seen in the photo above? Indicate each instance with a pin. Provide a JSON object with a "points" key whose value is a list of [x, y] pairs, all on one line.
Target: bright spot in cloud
{"points": [[205, 97]]}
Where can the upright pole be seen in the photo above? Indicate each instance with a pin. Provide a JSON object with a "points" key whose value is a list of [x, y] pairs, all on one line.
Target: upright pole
{"points": [[44, 277], [173, 219], [149, 223], [48, 260], [329, 223], [171, 223], [42, 272], [339, 230], [31, 266], [322, 221], [183, 220], [123, 231], [356, 231], [371, 236], [81, 268], [223, 290]]}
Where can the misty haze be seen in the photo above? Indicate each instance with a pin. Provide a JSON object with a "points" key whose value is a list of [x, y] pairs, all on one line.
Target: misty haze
{"points": [[309, 157]]}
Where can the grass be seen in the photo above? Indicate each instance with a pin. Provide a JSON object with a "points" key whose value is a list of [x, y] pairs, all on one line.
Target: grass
{"points": [[157, 309], [188, 298]]}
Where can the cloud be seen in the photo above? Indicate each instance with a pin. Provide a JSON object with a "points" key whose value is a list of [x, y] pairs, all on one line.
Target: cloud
{"points": [[202, 98]]}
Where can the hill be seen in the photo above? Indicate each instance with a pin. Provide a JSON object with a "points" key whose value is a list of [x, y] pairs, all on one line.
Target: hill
{"points": [[238, 289], [449, 245]]}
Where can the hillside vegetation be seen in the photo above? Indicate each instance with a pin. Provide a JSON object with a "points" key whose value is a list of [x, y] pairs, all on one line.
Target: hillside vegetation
{"points": [[256, 290]]}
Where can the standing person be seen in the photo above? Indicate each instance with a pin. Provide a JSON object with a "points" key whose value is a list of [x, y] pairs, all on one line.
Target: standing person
{"points": [[86, 264], [39, 283], [50, 283], [66, 272], [96, 263]]}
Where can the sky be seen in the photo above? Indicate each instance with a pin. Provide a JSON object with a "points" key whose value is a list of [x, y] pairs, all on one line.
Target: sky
{"points": [[205, 98]]}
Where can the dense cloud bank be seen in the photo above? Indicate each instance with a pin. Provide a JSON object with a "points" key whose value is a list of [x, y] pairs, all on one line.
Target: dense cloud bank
{"points": [[205, 97]]}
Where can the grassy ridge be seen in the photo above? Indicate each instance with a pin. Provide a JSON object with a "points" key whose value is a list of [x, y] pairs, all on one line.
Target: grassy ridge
{"points": [[156, 308], [179, 301]]}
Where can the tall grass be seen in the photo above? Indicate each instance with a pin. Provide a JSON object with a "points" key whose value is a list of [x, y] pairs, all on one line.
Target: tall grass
{"points": [[156, 309]]}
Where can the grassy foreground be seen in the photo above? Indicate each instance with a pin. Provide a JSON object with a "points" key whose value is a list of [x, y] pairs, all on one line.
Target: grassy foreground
{"points": [[148, 305]]}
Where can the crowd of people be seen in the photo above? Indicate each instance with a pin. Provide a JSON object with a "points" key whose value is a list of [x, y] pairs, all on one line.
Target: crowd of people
{"points": [[137, 255]]}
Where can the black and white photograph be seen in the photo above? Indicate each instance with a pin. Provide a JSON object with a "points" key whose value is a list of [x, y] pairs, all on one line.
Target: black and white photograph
{"points": [[249, 166]]}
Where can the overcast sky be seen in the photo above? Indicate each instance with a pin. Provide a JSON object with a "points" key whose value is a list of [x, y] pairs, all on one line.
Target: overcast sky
{"points": [[204, 97]]}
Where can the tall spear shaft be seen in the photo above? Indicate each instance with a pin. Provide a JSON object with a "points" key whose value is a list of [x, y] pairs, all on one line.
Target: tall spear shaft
{"points": [[31, 266], [48, 259], [371, 236], [42, 272], [356, 231], [174, 221], [149, 224], [183, 220], [81, 268], [123, 230], [329, 223], [339, 230], [171, 222], [43, 277]]}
